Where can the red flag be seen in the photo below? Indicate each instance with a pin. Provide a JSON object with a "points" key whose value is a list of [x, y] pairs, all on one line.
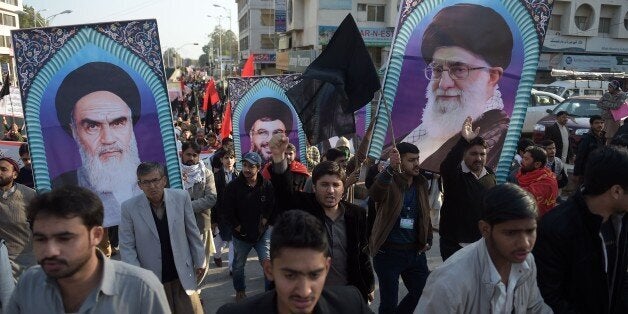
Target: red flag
{"points": [[182, 84], [211, 95], [227, 126], [248, 69]]}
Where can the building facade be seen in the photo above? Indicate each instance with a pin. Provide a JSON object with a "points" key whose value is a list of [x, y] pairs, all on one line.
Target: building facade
{"points": [[8, 21], [589, 35], [311, 24], [256, 24]]}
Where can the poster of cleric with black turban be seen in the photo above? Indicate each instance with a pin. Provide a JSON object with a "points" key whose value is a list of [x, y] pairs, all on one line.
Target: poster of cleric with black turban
{"points": [[96, 106], [262, 109], [453, 59]]}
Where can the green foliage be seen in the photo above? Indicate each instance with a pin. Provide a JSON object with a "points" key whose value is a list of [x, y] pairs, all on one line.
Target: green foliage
{"points": [[28, 18]]}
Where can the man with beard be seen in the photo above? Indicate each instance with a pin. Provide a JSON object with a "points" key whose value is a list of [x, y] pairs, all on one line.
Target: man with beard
{"points": [[559, 133], [465, 178], [25, 176], [267, 117], [464, 67], [495, 274], [98, 104], [74, 276], [14, 227], [401, 230], [590, 141], [198, 180], [537, 179], [299, 171]]}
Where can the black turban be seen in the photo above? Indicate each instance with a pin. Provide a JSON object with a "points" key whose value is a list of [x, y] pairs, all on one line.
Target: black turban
{"points": [[475, 28], [270, 108], [94, 77]]}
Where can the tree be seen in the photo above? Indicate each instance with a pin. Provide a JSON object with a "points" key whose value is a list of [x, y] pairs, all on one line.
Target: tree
{"points": [[29, 17], [225, 39]]}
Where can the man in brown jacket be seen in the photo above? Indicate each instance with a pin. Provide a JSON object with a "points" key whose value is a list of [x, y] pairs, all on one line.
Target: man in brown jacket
{"points": [[402, 231]]}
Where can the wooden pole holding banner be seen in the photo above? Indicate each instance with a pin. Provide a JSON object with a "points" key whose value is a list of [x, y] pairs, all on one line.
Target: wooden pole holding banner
{"points": [[390, 125]]}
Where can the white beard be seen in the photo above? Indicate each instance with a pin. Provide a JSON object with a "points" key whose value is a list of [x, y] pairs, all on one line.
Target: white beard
{"points": [[443, 119], [117, 176]]}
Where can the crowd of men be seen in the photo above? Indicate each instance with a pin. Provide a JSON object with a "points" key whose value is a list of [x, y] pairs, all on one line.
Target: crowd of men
{"points": [[517, 247]]}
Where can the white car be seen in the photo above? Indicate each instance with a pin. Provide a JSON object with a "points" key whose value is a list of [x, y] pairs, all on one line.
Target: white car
{"points": [[537, 108]]}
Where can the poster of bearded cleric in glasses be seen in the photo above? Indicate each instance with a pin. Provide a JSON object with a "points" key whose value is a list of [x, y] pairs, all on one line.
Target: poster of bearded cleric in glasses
{"points": [[260, 110], [96, 106], [454, 59]]}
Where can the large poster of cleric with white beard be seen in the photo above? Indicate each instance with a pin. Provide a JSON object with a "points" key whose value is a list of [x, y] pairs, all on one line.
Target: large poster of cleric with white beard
{"points": [[96, 106], [452, 59]]}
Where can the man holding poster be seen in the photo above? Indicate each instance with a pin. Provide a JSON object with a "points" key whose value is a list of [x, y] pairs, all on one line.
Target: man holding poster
{"points": [[463, 70]]}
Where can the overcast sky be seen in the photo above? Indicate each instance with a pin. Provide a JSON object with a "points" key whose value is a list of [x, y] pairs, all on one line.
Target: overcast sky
{"points": [[180, 22]]}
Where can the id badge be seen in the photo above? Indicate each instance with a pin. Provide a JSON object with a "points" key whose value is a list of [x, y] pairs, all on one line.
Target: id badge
{"points": [[406, 223]]}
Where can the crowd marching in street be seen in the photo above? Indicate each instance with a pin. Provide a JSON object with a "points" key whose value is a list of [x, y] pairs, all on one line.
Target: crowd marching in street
{"points": [[330, 232]]}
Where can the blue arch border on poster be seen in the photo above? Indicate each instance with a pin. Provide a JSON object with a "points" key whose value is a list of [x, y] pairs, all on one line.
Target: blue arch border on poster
{"points": [[264, 88], [47, 72], [530, 39]]}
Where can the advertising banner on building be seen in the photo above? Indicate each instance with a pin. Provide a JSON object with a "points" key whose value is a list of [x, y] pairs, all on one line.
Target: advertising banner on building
{"points": [[262, 109], [456, 58], [280, 16], [96, 105], [554, 41], [373, 36]]}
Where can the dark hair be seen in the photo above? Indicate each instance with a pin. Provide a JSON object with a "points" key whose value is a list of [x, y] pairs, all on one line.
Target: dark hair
{"points": [[92, 77], [191, 144], [148, 167], [595, 118], [328, 168], [606, 167], [226, 140], [68, 202], [229, 152], [620, 140], [562, 113], [507, 201], [405, 148], [291, 147], [546, 143], [538, 154], [24, 149], [268, 109], [524, 143], [477, 141], [300, 230], [334, 153]]}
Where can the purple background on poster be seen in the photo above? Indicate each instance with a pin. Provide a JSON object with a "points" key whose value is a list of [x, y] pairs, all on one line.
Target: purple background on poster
{"points": [[410, 97], [62, 151]]}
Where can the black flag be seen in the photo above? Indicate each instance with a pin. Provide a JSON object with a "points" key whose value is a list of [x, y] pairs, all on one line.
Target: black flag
{"points": [[339, 82], [5, 86]]}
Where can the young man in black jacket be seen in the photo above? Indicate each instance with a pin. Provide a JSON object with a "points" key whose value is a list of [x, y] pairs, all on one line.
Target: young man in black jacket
{"points": [[299, 263], [589, 142], [345, 223], [465, 178], [249, 202], [581, 251]]}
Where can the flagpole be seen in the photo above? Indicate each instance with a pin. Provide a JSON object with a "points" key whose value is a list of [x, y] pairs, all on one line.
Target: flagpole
{"points": [[390, 125]]}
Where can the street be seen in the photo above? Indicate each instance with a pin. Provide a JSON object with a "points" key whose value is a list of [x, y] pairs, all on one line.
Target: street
{"points": [[217, 288]]}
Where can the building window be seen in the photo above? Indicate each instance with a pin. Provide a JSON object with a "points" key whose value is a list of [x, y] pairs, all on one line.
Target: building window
{"points": [[626, 21], [267, 41], [8, 20], [12, 2], [268, 17], [605, 25], [7, 41], [244, 21], [554, 22], [374, 13], [244, 43], [583, 17]]}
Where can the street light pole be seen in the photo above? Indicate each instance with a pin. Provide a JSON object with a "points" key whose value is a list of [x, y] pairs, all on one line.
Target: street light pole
{"points": [[177, 49], [50, 18]]}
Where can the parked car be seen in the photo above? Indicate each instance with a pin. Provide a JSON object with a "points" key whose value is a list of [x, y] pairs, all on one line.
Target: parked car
{"points": [[539, 103], [580, 109], [572, 88]]}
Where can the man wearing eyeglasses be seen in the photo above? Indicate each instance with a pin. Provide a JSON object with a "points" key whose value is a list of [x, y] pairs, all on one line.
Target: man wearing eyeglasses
{"points": [[266, 117], [158, 232], [465, 58]]}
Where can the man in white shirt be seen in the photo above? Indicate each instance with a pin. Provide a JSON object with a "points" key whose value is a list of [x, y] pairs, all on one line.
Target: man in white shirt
{"points": [[497, 273]]}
